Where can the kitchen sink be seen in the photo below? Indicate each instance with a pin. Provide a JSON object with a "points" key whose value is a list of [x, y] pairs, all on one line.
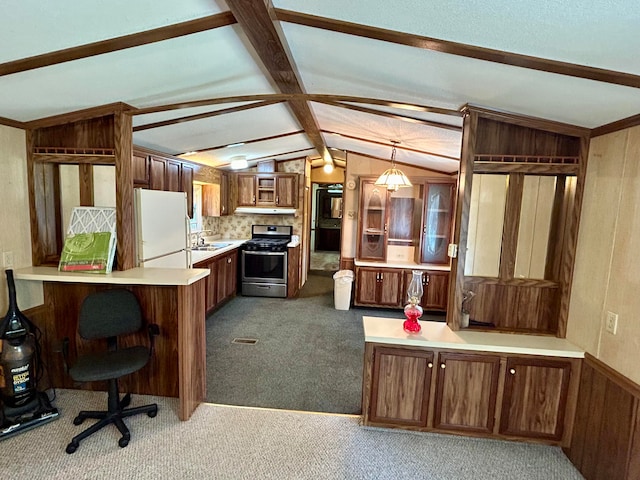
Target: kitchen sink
{"points": [[211, 246]]}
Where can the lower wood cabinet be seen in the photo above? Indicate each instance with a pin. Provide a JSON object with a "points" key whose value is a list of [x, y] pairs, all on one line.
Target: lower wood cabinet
{"points": [[387, 287], [467, 387], [401, 386], [379, 286], [221, 284], [535, 393], [533, 397]]}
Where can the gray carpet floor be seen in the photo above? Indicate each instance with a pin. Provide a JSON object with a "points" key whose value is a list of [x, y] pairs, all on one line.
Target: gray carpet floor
{"points": [[308, 356], [235, 443]]}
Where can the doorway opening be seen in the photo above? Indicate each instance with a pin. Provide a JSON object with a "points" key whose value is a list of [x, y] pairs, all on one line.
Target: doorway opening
{"points": [[326, 226]]}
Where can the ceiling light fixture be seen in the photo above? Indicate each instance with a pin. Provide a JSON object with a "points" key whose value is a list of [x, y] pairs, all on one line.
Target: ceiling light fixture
{"points": [[393, 178], [239, 162], [328, 167]]}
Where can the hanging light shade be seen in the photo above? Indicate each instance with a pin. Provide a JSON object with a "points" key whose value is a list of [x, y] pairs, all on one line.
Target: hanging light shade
{"points": [[393, 178]]}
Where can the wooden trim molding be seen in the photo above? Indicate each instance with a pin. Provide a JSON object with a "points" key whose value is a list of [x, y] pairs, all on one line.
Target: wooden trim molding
{"points": [[616, 126], [460, 49], [13, 123], [200, 116], [527, 121], [254, 140], [79, 115], [118, 43]]}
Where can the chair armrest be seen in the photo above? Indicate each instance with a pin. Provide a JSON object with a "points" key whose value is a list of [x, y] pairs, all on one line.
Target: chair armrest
{"points": [[154, 331]]}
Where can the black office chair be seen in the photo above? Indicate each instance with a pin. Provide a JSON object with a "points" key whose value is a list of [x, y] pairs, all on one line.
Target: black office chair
{"points": [[107, 314]]}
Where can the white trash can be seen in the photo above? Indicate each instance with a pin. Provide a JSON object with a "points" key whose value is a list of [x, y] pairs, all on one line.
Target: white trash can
{"points": [[342, 281]]}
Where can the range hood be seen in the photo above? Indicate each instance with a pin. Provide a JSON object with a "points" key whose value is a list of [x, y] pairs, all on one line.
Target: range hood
{"points": [[265, 211]]}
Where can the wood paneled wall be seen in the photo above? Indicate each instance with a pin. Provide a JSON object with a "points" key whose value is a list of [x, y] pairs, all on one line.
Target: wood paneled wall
{"points": [[606, 436]]}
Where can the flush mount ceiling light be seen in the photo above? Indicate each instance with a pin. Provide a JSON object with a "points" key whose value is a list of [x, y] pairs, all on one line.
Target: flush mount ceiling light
{"points": [[328, 167], [238, 162], [393, 178]]}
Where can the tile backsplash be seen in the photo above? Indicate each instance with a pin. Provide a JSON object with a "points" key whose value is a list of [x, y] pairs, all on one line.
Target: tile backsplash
{"points": [[239, 226]]}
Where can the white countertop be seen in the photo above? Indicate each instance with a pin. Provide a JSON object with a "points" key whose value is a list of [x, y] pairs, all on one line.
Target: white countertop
{"points": [[408, 265], [134, 276], [200, 255], [439, 335]]}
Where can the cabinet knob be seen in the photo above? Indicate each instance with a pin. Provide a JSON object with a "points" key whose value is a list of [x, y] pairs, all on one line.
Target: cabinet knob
{"points": [[381, 276], [430, 365], [254, 199], [277, 200], [442, 365], [229, 260], [512, 371]]}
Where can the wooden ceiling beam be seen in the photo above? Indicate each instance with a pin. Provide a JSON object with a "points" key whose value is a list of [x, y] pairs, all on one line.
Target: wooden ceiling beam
{"points": [[118, 43], [460, 49], [200, 116], [256, 19], [246, 142], [386, 144], [395, 116], [310, 97]]}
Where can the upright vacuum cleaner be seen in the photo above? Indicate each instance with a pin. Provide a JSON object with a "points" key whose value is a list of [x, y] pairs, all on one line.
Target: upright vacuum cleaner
{"points": [[22, 407]]}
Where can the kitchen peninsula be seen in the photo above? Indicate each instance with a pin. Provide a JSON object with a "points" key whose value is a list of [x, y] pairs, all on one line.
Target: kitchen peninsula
{"points": [[171, 298]]}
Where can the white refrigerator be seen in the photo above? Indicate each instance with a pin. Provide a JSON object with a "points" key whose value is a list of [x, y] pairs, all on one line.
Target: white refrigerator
{"points": [[162, 229]]}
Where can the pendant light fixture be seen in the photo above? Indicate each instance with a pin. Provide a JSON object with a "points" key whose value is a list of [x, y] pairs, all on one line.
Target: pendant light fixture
{"points": [[393, 178]]}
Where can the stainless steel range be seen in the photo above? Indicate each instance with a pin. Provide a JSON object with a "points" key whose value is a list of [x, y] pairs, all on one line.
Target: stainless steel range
{"points": [[264, 261]]}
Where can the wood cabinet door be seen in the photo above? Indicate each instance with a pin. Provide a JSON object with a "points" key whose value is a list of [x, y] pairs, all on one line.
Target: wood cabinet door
{"points": [[466, 391], [372, 224], [436, 292], [186, 179], [390, 287], [367, 286], [210, 283], [286, 190], [436, 222], [246, 190], [224, 194], [400, 386], [535, 397], [140, 169], [227, 276], [173, 181], [210, 200], [157, 173]]}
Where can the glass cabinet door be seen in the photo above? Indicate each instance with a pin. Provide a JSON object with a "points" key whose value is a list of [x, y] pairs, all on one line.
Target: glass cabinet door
{"points": [[373, 225], [436, 230]]}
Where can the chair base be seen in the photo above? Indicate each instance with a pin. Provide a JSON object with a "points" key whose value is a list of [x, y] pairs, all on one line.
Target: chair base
{"points": [[115, 414]]}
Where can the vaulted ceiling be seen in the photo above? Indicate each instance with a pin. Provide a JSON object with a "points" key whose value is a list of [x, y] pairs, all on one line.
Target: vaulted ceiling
{"points": [[318, 78]]}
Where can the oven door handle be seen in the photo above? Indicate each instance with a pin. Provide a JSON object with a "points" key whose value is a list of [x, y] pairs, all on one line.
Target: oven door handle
{"points": [[251, 252]]}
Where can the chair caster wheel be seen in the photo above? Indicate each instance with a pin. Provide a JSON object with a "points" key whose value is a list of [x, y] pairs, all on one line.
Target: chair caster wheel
{"points": [[72, 447], [153, 412], [123, 442], [78, 420]]}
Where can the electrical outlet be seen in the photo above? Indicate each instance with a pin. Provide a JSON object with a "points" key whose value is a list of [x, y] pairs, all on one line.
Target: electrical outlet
{"points": [[7, 259], [611, 323]]}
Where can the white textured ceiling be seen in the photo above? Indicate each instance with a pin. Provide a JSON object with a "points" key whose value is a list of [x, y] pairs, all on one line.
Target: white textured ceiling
{"points": [[221, 63]]}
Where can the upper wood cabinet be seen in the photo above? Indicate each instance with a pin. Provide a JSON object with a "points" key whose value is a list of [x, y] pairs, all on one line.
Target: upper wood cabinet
{"points": [[140, 170], [156, 172], [215, 197], [267, 190], [394, 219], [436, 223]]}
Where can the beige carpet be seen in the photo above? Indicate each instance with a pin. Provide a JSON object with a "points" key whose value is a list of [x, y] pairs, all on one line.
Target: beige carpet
{"points": [[222, 442]]}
